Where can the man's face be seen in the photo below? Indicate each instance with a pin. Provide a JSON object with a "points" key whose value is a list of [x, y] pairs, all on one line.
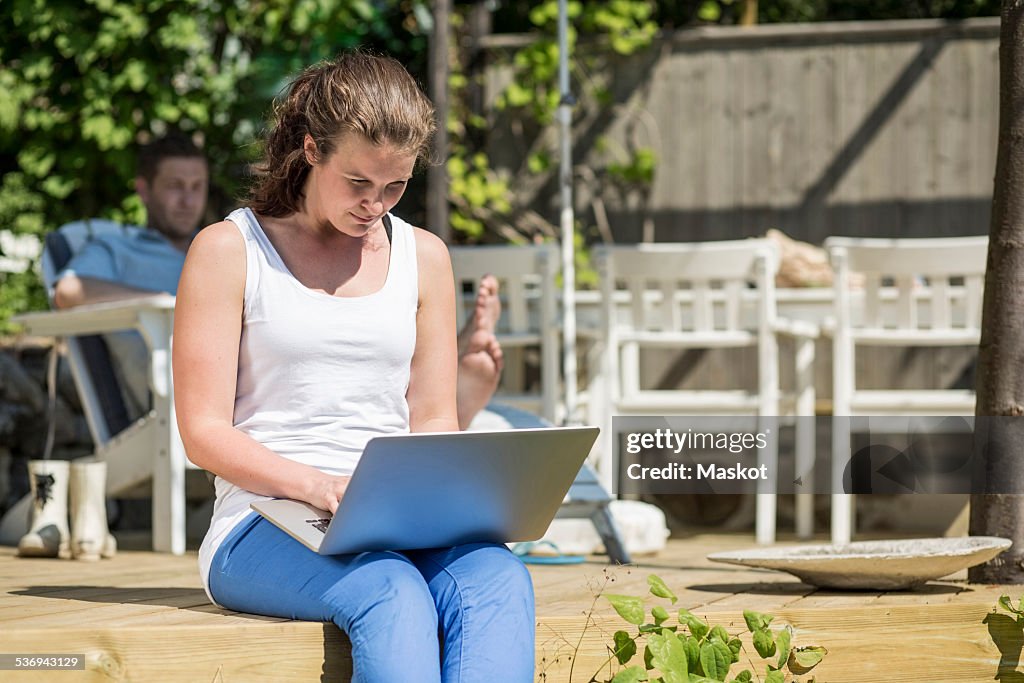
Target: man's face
{"points": [[176, 197]]}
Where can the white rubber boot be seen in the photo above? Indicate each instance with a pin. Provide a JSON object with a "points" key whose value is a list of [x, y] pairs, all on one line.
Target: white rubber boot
{"points": [[48, 534], [90, 537]]}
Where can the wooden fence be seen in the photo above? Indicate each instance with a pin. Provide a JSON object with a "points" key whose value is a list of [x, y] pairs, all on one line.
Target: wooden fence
{"points": [[854, 128]]}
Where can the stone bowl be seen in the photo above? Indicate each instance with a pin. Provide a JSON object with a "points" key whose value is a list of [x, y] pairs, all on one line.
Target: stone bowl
{"points": [[872, 565]]}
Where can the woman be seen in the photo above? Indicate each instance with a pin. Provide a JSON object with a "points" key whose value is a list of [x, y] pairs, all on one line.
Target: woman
{"points": [[306, 324]]}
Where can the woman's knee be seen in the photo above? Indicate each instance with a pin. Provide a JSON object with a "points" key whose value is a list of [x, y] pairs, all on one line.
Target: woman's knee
{"points": [[390, 617], [483, 567], [500, 560], [386, 590], [508, 571]]}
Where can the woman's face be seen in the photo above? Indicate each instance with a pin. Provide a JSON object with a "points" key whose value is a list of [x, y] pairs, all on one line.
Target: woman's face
{"points": [[359, 182]]}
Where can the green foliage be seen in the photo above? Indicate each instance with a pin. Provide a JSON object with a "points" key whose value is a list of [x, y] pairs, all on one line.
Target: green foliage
{"points": [[694, 651], [637, 170], [19, 292], [1017, 611], [476, 193], [85, 82], [627, 25], [531, 98], [1007, 633]]}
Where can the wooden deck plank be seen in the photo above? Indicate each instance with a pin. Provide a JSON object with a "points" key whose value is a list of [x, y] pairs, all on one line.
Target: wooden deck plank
{"points": [[292, 651], [144, 617]]}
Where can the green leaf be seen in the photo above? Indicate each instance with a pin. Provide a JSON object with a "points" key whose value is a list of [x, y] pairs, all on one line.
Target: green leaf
{"points": [[720, 634], [775, 676], [735, 645], [756, 620], [631, 675], [698, 627], [625, 646], [715, 659], [709, 11], [660, 589], [782, 642], [803, 659], [660, 615], [629, 608], [669, 656], [58, 187], [764, 643], [99, 128], [744, 676], [456, 167], [517, 96], [692, 648], [1004, 601], [538, 162]]}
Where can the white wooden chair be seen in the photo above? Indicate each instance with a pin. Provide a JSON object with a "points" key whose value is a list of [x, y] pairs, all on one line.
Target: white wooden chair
{"points": [[148, 451], [710, 295], [529, 318], [916, 292]]}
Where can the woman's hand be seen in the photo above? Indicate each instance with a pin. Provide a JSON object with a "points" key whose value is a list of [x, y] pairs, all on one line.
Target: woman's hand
{"points": [[327, 491]]}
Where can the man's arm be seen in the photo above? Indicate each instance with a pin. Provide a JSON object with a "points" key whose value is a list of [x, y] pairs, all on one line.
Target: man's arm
{"points": [[72, 290]]}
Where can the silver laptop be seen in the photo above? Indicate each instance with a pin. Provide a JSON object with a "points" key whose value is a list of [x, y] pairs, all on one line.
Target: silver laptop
{"points": [[442, 489]]}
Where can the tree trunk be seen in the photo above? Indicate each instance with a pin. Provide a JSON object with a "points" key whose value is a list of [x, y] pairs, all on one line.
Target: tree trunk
{"points": [[1000, 380], [437, 174]]}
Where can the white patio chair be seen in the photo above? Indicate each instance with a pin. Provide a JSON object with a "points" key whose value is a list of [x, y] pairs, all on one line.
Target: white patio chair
{"points": [[700, 296], [917, 293], [148, 451], [529, 318]]}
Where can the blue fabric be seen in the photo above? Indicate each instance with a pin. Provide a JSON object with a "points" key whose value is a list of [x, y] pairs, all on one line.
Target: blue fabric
{"points": [[143, 260], [477, 598]]}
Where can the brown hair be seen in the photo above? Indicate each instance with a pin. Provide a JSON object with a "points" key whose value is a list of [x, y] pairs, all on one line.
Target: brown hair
{"points": [[172, 145], [357, 92]]}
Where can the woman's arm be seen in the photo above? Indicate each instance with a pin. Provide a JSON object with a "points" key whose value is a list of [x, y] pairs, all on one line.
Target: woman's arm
{"points": [[207, 330], [431, 393]]}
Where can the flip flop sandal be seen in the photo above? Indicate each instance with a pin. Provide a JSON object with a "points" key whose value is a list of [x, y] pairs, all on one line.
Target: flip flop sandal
{"points": [[523, 550]]}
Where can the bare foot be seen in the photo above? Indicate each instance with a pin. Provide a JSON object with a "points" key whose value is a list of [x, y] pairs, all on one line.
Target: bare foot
{"points": [[480, 355]]}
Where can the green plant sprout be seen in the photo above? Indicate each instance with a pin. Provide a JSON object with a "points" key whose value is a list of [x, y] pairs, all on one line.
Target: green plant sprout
{"points": [[1007, 633], [693, 650]]}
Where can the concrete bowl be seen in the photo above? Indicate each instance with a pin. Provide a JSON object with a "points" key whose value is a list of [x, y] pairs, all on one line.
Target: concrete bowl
{"points": [[874, 565]]}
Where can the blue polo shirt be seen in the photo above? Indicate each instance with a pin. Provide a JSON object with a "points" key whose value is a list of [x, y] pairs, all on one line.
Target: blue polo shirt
{"points": [[143, 259]]}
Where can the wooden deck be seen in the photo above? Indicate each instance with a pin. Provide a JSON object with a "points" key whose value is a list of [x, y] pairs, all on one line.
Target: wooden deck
{"points": [[144, 617]]}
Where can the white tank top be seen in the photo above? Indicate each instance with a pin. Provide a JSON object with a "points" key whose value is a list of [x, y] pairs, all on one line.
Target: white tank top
{"points": [[318, 375]]}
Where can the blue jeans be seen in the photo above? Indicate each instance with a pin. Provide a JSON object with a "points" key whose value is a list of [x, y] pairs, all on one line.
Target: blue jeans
{"points": [[477, 597]]}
